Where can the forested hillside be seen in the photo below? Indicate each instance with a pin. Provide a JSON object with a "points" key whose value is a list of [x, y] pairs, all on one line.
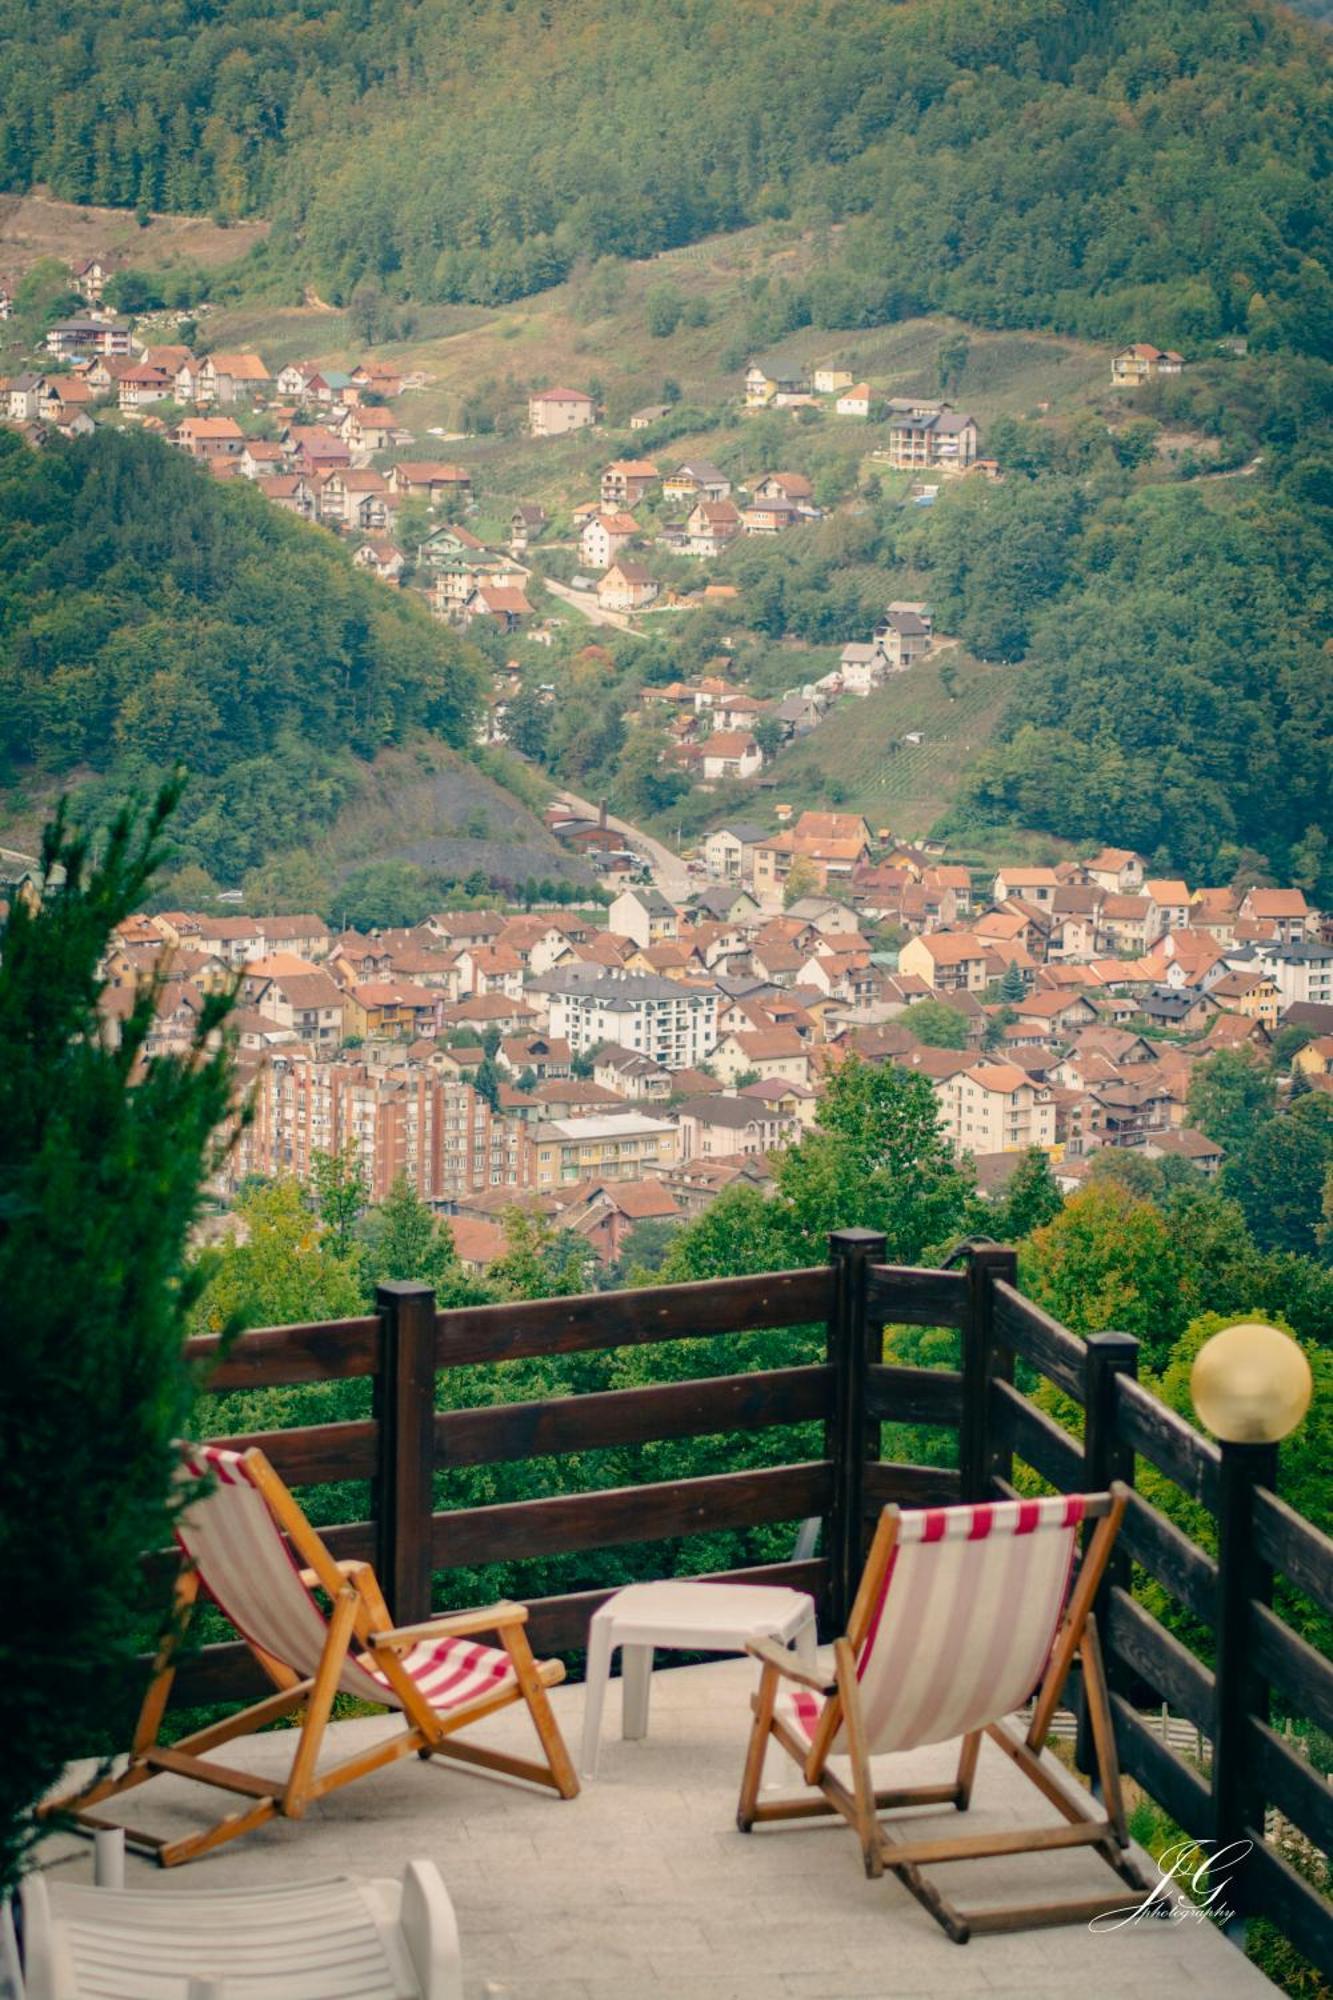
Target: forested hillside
{"points": [[1098, 165], [150, 615]]}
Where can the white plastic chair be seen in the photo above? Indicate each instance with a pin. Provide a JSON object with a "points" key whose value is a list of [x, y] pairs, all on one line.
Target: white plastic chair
{"points": [[340, 1938]]}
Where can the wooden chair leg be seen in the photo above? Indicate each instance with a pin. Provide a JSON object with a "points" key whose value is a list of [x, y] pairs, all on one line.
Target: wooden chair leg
{"points": [[320, 1704], [758, 1749], [558, 1759], [1103, 1731], [863, 1790], [967, 1768]]}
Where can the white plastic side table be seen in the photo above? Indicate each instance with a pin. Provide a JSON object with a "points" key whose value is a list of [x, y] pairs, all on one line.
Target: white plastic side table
{"points": [[703, 1617]]}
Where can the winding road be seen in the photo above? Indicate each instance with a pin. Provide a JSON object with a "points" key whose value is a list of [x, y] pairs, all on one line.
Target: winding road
{"points": [[669, 871]]}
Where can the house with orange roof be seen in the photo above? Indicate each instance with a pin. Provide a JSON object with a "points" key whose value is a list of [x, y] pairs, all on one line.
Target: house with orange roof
{"points": [[209, 437], [625, 481], [231, 378], [948, 961], [854, 402], [996, 1107], [1284, 914], [604, 536], [554, 412]]}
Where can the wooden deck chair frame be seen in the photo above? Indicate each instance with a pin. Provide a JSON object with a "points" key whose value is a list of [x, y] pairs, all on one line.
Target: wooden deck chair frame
{"points": [[358, 1625], [861, 1806]]}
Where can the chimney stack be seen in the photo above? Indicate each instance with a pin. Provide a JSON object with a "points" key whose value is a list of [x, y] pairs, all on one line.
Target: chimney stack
{"points": [[601, 814]]}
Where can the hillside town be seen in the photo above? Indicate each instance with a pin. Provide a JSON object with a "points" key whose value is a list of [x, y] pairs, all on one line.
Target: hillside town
{"points": [[605, 1067]]}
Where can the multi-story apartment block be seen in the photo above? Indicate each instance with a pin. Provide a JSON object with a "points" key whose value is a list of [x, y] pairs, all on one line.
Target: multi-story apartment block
{"points": [[996, 1108], [400, 1118], [620, 1146], [673, 1022]]}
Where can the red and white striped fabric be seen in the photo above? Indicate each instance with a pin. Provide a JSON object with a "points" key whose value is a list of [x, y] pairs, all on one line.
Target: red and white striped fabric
{"points": [[967, 1615], [248, 1570]]}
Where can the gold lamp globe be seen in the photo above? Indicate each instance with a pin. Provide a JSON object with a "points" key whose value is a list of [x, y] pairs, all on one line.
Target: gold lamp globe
{"points": [[1251, 1384]]}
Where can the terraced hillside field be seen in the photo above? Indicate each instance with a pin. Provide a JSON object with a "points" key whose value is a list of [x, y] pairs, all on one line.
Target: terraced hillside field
{"points": [[903, 786]]}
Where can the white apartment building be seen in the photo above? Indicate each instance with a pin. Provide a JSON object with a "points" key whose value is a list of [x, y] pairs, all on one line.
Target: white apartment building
{"points": [[1301, 972], [674, 1023], [995, 1108]]}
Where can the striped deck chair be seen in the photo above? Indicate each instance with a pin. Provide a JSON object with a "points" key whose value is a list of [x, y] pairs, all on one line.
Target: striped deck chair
{"points": [[963, 1614], [435, 1674]]}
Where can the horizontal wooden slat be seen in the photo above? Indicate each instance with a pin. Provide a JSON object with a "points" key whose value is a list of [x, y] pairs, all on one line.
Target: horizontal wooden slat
{"points": [[316, 1454], [1274, 1890], [1158, 1656], [494, 1432], [890, 1484], [1050, 1347], [914, 1395], [1166, 1777], [524, 1528], [1153, 1430], [560, 1624], [1291, 1784], [276, 1356], [470, 1334], [901, 1294], [1304, 1676], [227, 1672], [1020, 1426], [1294, 1547], [1179, 1564]]}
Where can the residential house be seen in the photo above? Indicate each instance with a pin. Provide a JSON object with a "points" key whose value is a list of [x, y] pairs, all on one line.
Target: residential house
{"points": [[643, 914], [731, 753], [25, 393], [625, 481], [553, 412], [1283, 913], [650, 414], [861, 667], [771, 517], [948, 961], [1252, 994], [1302, 973], [69, 337], [626, 586], [368, 431], [632, 1076], [777, 382], [139, 386], [298, 996], [1124, 922], [261, 459], [902, 637], [604, 536], [1168, 907], [832, 381], [696, 479], [63, 400], [428, 480], [381, 558], [231, 378], [1032, 885], [505, 603], [209, 437], [1316, 1058], [378, 378], [290, 491], [854, 401], [943, 439], [526, 523], [1117, 870], [773, 1053], [609, 1213], [89, 277], [1184, 1144], [1144, 363], [711, 526], [729, 852], [722, 1125], [790, 486], [1056, 1016]]}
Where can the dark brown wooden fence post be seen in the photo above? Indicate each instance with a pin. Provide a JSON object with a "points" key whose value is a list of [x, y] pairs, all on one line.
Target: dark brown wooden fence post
{"points": [[983, 1363], [405, 1409], [1105, 1458], [848, 1431], [1243, 1578]]}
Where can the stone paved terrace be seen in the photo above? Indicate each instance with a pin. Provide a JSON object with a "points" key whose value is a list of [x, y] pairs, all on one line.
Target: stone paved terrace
{"points": [[642, 1888]]}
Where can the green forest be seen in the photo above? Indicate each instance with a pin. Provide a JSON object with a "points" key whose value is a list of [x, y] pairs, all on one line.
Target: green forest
{"points": [[1096, 165], [152, 616]]}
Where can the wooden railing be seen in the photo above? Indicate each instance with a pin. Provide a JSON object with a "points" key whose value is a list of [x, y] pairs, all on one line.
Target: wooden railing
{"points": [[1249, 1661]]}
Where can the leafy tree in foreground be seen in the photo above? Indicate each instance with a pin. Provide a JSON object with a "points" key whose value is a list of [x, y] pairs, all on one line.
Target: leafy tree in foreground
{"points": [[102, 1160]]}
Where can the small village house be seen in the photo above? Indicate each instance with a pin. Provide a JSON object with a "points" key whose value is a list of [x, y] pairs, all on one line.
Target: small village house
{"points": [[554, 412]]}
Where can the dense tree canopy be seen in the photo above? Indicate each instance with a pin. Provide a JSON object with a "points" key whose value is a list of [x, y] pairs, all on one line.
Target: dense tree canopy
{"points": [[151, 616], [1092, 166]]}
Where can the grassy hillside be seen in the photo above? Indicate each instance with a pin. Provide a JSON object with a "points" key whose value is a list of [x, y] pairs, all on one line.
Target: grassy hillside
{"points": [[859, 752], [1074, 163]]}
